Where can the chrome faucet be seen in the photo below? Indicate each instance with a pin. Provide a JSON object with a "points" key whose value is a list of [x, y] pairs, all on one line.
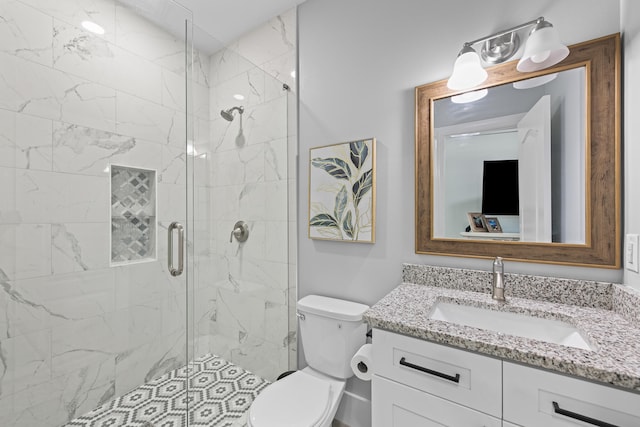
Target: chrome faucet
{"points": [[498, 280]]}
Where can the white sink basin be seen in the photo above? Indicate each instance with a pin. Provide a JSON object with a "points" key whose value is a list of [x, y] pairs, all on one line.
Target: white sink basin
{"points": [[553, 331]]}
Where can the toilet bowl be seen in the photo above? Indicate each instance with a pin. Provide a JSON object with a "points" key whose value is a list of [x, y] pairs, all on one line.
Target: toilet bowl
{"points": [[331, 331], [303, 399]]}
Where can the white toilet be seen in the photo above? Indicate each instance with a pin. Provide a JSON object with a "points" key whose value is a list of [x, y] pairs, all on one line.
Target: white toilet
{"points": [[331, 331]]}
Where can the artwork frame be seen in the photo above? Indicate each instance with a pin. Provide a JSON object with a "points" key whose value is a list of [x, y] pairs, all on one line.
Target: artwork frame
{"points": [[342, 191], [477, 222], [492, 224]]}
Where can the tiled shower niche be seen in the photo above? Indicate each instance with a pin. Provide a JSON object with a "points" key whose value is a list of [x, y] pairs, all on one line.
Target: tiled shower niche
{"points": [[133, 214]]}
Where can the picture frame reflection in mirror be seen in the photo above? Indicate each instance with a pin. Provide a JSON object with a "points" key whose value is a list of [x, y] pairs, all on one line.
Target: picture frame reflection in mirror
{"points": [[492, 224], [477, 222]]}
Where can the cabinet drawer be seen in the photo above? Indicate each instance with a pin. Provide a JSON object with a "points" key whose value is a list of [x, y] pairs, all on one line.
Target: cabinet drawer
{"points": [[397, 405], [461, 376], [529, 396]]}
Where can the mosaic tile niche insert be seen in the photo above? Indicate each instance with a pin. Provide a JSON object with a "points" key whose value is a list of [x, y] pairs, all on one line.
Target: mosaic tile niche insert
{"points": [[133, 214]]}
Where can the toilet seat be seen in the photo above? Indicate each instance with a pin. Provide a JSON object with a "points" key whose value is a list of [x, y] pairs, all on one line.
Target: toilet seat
{"points": [[298, 400]]}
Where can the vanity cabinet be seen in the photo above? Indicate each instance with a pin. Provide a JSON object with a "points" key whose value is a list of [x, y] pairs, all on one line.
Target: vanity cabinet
{"points": [[422, 384]]}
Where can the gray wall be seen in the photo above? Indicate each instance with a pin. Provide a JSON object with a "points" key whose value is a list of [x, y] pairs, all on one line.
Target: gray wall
{"points": [[359, 62], [630, 25]]}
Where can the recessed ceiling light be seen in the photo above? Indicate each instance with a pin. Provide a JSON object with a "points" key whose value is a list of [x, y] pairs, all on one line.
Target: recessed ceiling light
{"points": [[469, 96], [93, 27], [535, 82], [238, 96]]}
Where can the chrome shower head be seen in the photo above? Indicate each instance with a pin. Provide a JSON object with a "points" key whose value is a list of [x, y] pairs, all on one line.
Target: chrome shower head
{"points": [[228, 114]]}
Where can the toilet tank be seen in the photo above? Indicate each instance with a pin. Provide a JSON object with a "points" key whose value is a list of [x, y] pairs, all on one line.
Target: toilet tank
{"points": [[331, 331]]}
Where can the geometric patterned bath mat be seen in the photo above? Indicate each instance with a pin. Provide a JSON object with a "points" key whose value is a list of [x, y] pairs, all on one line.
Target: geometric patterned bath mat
{"points": [[219, 395]]}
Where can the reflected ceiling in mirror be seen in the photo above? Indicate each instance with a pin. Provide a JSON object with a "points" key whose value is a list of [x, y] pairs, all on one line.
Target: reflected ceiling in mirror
{"points": [[538, 123], [574, 107]]}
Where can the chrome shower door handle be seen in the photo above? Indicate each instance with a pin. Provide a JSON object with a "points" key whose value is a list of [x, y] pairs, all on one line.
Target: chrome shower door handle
{"points": [[172, 270]]}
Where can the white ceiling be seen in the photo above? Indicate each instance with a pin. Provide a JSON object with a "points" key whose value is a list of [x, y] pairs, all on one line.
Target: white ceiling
{"points": [[226, 20], [216, 22]]}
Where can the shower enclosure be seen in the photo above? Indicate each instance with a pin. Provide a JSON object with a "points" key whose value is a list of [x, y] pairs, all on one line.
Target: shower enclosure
{"points": [[120, 187]]}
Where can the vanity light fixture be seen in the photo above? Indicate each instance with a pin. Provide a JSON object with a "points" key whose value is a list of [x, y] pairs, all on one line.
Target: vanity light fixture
{"points": [[543, 49]]}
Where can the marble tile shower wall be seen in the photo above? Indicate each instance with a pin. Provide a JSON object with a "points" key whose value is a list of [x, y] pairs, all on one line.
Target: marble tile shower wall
{"points": [[253, 173], [75, 332]]}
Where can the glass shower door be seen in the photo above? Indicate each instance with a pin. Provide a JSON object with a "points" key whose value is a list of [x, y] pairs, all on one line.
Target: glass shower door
{"points": [[93, 171], [239, 304]]}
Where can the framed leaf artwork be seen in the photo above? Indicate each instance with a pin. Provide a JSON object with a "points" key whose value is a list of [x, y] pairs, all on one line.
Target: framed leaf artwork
{"points": [[342, 191]]}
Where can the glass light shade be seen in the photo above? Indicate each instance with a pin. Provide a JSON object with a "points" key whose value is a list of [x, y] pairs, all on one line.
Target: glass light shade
{"points": [[543, 49], [467, 71]]}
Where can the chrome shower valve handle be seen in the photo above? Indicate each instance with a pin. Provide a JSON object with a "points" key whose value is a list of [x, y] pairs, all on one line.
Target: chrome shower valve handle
{"points": [[240, 232]]}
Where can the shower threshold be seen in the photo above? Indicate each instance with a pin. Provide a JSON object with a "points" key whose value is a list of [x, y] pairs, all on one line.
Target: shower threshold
{"points": [[219, 395]]}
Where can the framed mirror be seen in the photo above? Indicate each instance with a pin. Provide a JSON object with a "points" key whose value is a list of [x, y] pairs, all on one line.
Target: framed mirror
{"points": [[526, 166]]}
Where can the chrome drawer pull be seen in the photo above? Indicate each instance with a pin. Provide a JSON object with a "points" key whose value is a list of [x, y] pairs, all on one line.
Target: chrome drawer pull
{"points": [[583, 418], [455, 379]]}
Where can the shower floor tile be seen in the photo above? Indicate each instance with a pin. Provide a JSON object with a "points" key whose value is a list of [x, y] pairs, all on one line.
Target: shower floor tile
{"points": [[219, 395]]}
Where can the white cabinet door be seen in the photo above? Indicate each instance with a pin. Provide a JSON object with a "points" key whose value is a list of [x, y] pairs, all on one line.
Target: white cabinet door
{"points": [[533, 397], [463, 377], [396, 405]]}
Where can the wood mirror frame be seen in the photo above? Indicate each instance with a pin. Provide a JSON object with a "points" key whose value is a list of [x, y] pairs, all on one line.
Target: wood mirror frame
{"points": [[601, 57]]}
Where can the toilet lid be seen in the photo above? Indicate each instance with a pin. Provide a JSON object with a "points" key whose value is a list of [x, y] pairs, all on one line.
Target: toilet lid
{"points": [[297, 400]]}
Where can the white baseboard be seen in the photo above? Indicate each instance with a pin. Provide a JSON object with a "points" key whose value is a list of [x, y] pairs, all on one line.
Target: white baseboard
{"points": [[354, 410]]}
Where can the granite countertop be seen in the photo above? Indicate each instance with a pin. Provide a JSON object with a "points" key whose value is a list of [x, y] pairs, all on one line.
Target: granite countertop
{"points": [[614, 359]]}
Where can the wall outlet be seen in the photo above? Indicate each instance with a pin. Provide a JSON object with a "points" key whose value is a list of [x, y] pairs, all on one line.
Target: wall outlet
{"points": [[631, 252]]}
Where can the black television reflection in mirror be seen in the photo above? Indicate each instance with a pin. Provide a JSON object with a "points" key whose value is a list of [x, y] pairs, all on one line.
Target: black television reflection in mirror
{"points": [[500, 194]]}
